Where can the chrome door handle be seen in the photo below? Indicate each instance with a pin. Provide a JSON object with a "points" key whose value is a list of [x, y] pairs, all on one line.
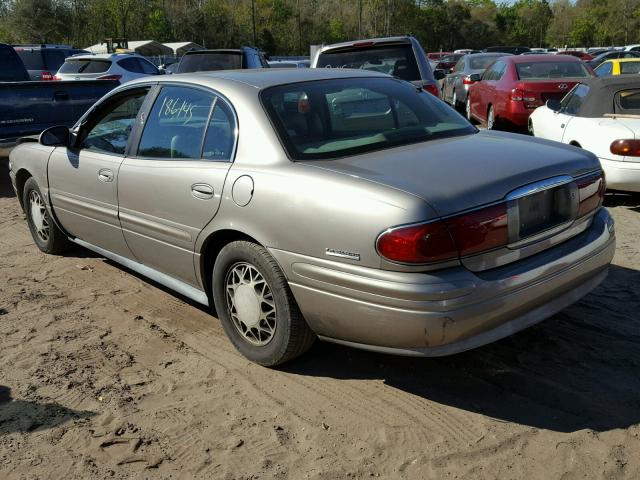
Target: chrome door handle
{"points": [[105, 175], [202, 191]]}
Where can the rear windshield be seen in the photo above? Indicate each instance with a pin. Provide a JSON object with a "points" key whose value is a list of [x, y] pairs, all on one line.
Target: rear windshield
{"points": [[629, 67], [550, 70], [207, 62], [85, 66], [11, 70], [396, 60], [333, 118], [42, 59], [481, 63]]}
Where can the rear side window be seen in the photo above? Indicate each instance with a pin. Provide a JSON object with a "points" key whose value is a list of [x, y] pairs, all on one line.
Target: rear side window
{"points": [[396, 60], [208, 62], [629, 101], [333, 118], [605, 69], [131, 65], [480, 63], [147, 67], [629, 67], [550, 70], [176, 124], [11, 68], [85, 66]]}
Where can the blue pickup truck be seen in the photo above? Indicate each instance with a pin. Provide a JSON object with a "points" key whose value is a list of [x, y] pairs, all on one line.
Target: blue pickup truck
{"points": [[28, 107]]}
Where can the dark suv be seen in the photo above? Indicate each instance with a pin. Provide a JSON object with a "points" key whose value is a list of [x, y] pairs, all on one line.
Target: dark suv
{"points": [[11, 67], [43, 61], [222, 59]]}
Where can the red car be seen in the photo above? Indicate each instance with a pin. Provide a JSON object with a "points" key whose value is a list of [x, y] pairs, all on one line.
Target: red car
{"points": [[434, 56], [511, 88], [447, 62], [576, 53]]}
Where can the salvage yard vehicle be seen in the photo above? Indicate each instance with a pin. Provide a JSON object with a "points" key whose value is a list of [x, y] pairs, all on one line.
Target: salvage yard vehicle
{"points": [[342, 204], [121, 67], [28, 107], [402, 57], [43, 61], [513, 87], [619, 66], [222, 59], [601, 115], [455, 86]]}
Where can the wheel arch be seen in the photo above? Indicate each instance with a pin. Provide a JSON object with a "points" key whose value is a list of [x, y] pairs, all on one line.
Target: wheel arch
{"points": [[22, 175], [210, 250], [575, 144]]}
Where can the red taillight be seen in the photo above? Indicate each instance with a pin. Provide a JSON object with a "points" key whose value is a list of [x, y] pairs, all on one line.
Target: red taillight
{"points": [[109, 77], [530, 99], [432, 89], [591, 191], [46, 76], [467, 80], [627, 148], [459, 236], [516, 95], [426, 243], [480, 230]]}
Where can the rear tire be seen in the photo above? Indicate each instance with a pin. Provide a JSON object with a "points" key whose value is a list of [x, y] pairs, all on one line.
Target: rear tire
{"points": [[256, 307], [46, 235], [491, 119]]}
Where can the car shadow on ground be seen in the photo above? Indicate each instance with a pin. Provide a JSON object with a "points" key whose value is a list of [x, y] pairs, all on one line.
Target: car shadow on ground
{"points": [[577, 370], [23, 416], [623, 199]]}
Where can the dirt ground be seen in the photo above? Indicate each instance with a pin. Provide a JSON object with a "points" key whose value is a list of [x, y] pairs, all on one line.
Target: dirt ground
{"points": [[104, 374]]}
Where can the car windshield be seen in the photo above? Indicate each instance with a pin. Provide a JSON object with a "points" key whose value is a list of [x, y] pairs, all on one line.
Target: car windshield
{"points": [[396, 60], [550, 69], [481, 63], [208, 62], [85, 66], [334, 118]]}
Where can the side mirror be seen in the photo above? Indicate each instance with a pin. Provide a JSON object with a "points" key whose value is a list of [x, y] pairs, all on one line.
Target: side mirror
{"points": [[475, 77], [554, 105], [58, 136], [439, 74]]}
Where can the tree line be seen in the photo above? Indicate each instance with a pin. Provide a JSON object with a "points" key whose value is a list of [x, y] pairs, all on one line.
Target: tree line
{"points": [[288, 27]]}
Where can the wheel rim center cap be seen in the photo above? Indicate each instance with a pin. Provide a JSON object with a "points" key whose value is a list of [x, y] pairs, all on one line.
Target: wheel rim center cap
{"points": [[247, 305]]}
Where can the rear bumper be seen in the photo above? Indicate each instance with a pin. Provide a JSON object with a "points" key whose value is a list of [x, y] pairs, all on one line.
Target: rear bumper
{"points": [[623, 176], [446, 312]]}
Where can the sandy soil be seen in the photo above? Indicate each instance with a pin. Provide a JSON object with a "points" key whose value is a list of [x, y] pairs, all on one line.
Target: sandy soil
{"points": [[103, 374]]}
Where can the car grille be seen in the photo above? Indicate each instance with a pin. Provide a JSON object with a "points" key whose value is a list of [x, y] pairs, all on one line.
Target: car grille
{"points": [[541, 208]]}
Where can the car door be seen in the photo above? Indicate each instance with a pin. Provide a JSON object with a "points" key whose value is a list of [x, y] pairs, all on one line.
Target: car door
{"points": [[83, 179], [479, 97], [171, 188], [450, 80], [492, 94]]}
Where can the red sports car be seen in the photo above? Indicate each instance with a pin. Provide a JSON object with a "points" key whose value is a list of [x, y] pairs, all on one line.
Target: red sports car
{"points": [[511, 88]]}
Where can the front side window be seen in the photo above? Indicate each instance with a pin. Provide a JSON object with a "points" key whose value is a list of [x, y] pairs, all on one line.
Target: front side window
{"points": [[176, 124], [131, 65], [333, 118], [109, 131], [550, 70], [396, 60]]}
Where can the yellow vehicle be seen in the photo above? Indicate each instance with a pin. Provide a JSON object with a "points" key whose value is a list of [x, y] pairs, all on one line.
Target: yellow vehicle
{"points": [[618, 66]]}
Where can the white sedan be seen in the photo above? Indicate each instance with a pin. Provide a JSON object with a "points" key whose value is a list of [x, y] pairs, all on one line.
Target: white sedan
{"points": [[601, 115]]}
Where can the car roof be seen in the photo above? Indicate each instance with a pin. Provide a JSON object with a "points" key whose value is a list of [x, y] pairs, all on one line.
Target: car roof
{"points": [[599, 99], [102, 56], [213, 50], [544, 57], [261, 78], [373, 41]]}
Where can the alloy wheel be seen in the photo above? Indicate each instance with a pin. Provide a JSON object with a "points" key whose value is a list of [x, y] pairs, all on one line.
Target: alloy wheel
{"points": [[39, 215], [250, 303]]}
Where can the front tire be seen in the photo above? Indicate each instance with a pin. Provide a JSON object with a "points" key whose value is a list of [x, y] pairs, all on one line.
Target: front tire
{"points": [[256, 307], [46, 235]]}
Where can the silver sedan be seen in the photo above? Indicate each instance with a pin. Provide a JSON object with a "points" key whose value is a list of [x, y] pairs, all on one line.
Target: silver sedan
{"points": [[334, 204]]}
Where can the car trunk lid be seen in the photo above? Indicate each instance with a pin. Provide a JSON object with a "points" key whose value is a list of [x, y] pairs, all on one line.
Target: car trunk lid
{"points": [[535, 93]]}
